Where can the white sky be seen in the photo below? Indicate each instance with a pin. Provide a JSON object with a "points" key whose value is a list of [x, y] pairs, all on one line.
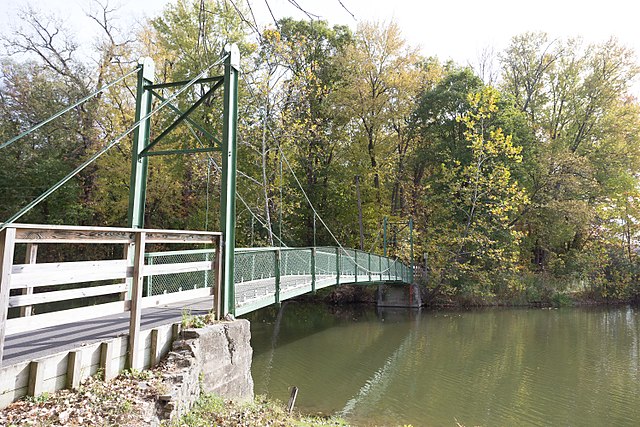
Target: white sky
{"points": [[454, 29]]}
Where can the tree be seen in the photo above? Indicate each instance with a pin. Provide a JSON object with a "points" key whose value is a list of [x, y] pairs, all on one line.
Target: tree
{"points": [[384, 77], [308, 126], [42, 73], [478, 244], [568, 93]]}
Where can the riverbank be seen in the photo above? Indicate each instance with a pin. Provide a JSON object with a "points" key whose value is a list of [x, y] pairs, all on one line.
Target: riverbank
{"points": [[131, 400], [548, 297], [213, 410]]}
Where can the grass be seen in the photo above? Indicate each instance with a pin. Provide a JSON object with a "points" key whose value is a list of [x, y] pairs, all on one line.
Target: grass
{"points": [[190, 321], [211, 410]]}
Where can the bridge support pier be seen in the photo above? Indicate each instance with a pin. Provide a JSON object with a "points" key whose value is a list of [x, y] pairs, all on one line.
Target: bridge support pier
{"points": [[399, 296]]}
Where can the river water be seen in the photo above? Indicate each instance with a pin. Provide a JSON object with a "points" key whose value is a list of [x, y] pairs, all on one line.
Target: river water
{"points": [[489, 367]]}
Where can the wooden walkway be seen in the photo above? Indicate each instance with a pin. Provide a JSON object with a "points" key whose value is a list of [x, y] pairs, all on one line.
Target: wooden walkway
{"points": [[41, 343]]}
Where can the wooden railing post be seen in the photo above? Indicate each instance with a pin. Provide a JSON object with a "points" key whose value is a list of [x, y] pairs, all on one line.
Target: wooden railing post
{"points": [[7, 247], [217, 278], [128, 256], [136, 299], [277, 274], [30, 258]]}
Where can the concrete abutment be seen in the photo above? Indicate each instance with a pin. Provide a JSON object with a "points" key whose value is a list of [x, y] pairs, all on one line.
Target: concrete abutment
{"points": [[399, 296]]}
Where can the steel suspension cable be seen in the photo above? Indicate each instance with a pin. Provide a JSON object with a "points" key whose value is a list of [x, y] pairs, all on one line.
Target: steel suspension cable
{"points": [[315, 212], [98, 154], [309, 200], [61, 112], [246, 205], [217, 168], [304, 193]]}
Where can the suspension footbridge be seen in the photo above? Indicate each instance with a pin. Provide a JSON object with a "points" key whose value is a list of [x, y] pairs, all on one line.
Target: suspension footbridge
{"points": [[116, 304]]}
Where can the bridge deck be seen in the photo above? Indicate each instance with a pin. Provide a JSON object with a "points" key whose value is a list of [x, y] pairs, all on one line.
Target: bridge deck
{"points": [[44, 342], [39, 343]]}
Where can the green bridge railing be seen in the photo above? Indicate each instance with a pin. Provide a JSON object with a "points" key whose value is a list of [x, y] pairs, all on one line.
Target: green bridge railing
{"points": [[265, 276]]}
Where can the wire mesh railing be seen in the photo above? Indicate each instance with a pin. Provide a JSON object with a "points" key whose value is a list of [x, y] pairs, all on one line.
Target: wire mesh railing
{"points": [[263, 276], [178, 282]]}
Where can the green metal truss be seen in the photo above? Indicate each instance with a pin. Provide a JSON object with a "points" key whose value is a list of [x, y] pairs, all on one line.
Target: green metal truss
{"points": [[143, 148]]}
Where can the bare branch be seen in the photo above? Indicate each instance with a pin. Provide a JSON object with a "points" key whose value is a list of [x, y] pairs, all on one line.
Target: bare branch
{"points": [[275, 21], [46, 38], [253, 25]]}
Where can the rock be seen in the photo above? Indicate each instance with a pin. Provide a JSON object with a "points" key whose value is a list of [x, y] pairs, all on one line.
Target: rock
{"points": [[63, 417]]}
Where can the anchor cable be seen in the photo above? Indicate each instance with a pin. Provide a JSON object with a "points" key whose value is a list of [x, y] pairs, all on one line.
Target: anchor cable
{"points": [[61, 112], [98, 154]]}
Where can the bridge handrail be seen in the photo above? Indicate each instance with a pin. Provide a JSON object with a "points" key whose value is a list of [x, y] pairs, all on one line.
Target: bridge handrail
{"points": [[131, 270], [264, 276], [332, 249]]}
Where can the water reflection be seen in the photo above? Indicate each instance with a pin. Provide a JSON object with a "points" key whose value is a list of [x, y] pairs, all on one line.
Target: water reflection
{"points": [[486, 367]]}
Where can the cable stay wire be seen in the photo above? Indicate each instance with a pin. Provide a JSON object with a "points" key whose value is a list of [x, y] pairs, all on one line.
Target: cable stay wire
{"points": [[218, 170], [375, 241], [246, 205], [315, 212], [114, 142], [71, 107], [304, 193]]}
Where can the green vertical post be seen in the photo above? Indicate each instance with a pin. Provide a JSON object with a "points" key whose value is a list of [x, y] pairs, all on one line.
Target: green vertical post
{"points": [[277, 274], [384, 236], [139, 164], [313, 269], [337, 266], [380, 267], [355, 265], [411, 250], [369, 266], [228, 192]]}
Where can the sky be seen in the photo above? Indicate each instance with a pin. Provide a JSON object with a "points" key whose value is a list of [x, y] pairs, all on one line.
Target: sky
{"points": [[458, 30]]}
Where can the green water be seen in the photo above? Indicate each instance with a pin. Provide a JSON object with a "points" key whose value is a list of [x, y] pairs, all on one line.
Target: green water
{"points": [[492, 367]]}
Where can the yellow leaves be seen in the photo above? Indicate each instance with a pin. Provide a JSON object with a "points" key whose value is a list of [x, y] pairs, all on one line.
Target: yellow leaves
{"points": [[271, 35], [484, 193]]}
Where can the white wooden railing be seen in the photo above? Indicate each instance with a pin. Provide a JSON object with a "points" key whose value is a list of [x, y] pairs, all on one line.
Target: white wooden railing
{"points": [[129, 273]]}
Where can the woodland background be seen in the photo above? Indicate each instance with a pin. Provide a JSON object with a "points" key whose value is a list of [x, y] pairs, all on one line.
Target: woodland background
{"points": [[521, 174]]}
